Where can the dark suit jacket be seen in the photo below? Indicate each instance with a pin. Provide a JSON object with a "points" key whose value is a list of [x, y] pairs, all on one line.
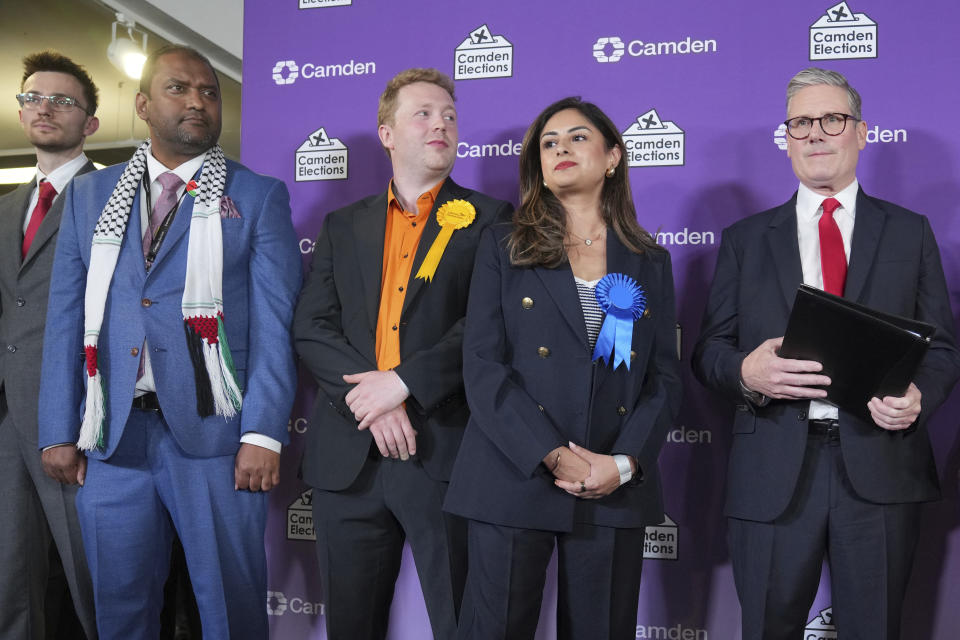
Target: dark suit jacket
{"points": [[335, 333], [526, 401], [23, 302], [894, 267]]}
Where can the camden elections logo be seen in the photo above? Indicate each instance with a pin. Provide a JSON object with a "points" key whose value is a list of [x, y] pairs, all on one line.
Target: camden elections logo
{"points": [[321, 157], [300, 518], [483, 55], [821, 627], [841, 34], [276, 603], [661, 541], [609, 49], [319, 4], [652, 142]]}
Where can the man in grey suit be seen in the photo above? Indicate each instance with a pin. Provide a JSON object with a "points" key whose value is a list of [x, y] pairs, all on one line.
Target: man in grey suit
{"points": [[57, 105]]}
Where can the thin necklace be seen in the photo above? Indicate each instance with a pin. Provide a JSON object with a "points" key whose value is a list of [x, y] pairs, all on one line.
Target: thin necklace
{"points": [[587, 241]]}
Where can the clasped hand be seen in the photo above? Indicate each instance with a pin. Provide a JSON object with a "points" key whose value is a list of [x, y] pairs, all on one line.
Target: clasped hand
{"points": [[377, 404], [583, 473]]}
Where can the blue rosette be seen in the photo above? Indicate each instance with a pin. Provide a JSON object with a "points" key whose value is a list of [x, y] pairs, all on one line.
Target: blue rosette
{"points": [[624, 301]]}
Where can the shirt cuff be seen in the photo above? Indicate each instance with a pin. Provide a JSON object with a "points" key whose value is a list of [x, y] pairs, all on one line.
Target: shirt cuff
{"points": [[54, 446], [260, 440], [623, 466]]}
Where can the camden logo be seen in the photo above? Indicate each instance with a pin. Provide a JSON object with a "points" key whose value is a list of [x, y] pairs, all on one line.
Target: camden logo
{"points": [[319, 4], [661, 541], [300, 518], [483, 55], [611, 44], [874, 134], [613, 48], [652, 142], [821, 627], [285, 72], [841, 34], [276, 603], [321, 157]]}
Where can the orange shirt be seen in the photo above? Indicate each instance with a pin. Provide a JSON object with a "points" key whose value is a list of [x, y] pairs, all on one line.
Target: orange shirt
{"points": [[400, 242]]}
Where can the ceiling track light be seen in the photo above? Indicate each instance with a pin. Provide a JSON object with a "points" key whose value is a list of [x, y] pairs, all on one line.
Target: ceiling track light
{"points": [[124, 52]]}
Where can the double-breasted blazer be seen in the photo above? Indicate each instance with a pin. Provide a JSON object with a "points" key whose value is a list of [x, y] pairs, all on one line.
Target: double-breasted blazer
{"points": [[335, 334], [533, 385], [894, 267]]}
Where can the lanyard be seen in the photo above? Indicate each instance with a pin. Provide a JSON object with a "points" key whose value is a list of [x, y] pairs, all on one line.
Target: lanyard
{"points": [[161, 233]]}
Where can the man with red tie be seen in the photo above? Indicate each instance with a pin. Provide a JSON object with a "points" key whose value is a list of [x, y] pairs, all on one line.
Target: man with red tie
{"points": [[57, 105], [805, 478]]}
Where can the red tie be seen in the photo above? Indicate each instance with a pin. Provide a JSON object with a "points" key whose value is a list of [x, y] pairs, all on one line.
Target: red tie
{"points": [[833, 259], [44, 200]]}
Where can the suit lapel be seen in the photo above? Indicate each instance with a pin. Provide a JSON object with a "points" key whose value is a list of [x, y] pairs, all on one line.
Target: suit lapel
{"points": [[369, 227], [562, 288], [867, 228], [785, 249], [449, 191], [11, 227], [51, 222]]}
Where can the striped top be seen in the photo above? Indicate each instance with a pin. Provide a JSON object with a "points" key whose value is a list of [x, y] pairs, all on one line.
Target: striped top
{"points": [[592, 314]]}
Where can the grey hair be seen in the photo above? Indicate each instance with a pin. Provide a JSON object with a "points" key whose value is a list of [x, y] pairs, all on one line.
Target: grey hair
{"points": [[813, 76]]}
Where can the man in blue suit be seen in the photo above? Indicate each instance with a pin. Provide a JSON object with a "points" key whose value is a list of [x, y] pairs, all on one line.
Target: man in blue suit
{"points": [[806, 479], [175, 276]]}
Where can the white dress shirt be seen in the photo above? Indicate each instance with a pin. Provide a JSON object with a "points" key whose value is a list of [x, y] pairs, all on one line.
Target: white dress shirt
{"points": [[59, 178], [809, 210]]}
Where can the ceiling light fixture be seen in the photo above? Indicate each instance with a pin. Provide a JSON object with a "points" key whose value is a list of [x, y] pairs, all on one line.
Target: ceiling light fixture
{"points": [[124, 52]]}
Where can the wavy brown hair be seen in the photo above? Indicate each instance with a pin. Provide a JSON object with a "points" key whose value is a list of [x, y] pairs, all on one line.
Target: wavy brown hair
{"points": [[540, 223]]}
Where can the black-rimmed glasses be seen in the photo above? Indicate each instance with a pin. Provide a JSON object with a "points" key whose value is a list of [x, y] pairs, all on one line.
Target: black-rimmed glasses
{"points": [[832, 124], [33, 101]]}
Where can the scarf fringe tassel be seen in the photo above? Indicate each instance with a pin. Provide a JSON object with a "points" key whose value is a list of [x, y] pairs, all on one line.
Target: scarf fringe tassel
{"points": [[94, 415]]}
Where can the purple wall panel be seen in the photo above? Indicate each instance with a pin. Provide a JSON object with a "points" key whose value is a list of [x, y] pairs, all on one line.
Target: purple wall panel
{"points": [[717, 72]]}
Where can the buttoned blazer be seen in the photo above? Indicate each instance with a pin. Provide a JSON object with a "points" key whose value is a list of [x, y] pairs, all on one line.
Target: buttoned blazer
{"points": [[335, 334], [895, 267], [261, 278], [24, 287], [532, 386]]}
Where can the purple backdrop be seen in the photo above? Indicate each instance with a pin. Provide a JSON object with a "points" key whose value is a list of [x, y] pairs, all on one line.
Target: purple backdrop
{"points": [[698, 91]]}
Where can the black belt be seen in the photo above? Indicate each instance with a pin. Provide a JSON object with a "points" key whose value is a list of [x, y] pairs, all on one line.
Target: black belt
{"points": [[147, 402], [829, 428]]}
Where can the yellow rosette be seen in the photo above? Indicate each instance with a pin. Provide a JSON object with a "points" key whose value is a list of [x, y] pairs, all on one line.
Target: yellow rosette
{"points": [[452, 215]]}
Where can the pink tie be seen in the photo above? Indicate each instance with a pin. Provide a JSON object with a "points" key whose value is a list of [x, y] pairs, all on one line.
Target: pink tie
{"points": [[833, 259], [44, 200], [167, 201]]}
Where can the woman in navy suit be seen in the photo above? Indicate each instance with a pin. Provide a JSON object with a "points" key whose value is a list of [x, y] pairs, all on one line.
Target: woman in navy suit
{"points": [[571, 373]]}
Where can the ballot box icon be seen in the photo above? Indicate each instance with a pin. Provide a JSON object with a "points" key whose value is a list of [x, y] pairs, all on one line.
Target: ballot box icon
{"points": [[821, 627], [653, 142], [483, 55], [842, 34], [300, 518], [321, 157]]}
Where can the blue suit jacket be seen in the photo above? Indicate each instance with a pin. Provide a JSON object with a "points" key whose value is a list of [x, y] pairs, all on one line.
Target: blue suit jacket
{"points": [[261, 278], [525, 401], [894, 267]]}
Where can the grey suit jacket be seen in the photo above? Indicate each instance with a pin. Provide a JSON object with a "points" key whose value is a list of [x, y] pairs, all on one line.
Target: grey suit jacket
{"points": [[24, 286]]}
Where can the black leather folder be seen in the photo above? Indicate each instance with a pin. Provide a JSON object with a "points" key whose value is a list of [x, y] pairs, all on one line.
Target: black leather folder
{"points": [[865, 352]]}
